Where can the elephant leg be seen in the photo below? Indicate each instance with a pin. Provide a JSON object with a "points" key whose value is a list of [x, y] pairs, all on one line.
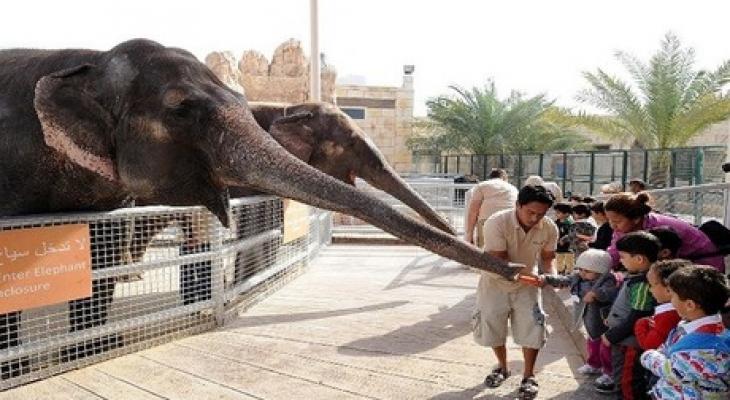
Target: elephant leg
{"points": [[92, 311]]}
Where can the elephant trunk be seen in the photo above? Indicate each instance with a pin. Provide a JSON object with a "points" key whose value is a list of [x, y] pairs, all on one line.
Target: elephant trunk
{"points": [[388, 180], [269, 167]]}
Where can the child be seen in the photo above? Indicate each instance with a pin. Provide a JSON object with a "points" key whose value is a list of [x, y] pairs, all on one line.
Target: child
{"points": [[652, 331], [596, 287], [694, 362], [637, 251], [670, 242], [564, 258], [604, 232], [582, 230]]}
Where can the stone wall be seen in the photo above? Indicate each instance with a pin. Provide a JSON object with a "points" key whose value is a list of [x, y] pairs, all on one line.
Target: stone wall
{"points": [[284, 79], [388, 117]]}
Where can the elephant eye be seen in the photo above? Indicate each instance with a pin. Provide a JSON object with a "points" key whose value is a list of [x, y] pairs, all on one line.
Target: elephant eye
{"points": [[183, 110]]}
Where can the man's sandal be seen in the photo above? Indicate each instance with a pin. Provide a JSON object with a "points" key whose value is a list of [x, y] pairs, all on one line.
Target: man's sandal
{"points": [[528, 388], [496, 378]]}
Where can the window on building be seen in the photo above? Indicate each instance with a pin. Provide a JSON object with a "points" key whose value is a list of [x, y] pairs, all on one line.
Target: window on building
{"points": [[354, 113]]}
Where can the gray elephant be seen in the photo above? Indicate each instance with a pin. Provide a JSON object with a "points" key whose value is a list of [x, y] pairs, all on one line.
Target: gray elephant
{"points": [[89, 130], [326, 138]]}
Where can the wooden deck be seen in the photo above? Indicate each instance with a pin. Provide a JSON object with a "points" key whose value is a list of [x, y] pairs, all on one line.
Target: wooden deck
{"points": [[364, 322]]}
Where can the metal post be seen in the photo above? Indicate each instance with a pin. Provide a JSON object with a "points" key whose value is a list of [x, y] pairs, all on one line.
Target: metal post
{"points": [[484, 166], [518, 169], [458, 164], [471, 165], [539, 168], [673, 169], [592, 172], [699, 172], [314, 66], [565, 170], [699, 199], [646, 168], [446, 164], [625, 170]]}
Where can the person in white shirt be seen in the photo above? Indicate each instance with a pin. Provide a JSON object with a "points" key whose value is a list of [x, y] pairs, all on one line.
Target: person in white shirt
{"points": [[488, 197]]}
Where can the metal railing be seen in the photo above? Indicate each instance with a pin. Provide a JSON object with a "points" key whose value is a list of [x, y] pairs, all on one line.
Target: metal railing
{"points": [[694, 204], [443, 195], [158, 273], [585, 171]]}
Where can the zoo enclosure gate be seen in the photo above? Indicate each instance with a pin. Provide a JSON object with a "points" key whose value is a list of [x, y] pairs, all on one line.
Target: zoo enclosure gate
{"points": [[158, 273]]}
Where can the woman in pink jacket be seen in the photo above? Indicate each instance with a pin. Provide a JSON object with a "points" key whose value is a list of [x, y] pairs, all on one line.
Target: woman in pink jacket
{"points": [[628, 212]]}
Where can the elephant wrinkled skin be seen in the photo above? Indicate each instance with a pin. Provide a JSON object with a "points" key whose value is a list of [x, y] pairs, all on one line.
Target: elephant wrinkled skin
{"points": [[326, 138], [88, 130]]}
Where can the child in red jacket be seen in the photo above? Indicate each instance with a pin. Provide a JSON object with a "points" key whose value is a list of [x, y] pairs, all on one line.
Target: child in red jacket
{"points": [[652, 331]]}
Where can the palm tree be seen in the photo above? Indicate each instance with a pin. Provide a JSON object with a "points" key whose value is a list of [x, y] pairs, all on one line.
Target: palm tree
{"points": [[479, 122], [668, 103]]}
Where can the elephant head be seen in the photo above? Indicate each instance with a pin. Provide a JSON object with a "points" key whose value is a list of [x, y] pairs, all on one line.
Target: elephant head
{"points": [[156, 123], [326, 138]]}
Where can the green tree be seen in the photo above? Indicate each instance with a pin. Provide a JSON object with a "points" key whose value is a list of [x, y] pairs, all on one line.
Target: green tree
{"points": [[478, 121], [667, 104]]}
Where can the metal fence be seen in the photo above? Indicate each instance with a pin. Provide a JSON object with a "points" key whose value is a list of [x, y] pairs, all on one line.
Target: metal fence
{"points": [[585, 172], [158, 273], [694, 204]]}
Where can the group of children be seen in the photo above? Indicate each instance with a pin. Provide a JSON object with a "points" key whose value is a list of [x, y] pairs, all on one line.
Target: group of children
{"points": [[582, 224], [655, 329]]}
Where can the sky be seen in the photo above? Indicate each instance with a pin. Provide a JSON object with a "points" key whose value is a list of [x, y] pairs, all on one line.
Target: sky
{"points": [[531, 46]]}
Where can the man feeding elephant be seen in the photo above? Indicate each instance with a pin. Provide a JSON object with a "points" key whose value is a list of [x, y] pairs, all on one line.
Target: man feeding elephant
{"points": [[521, 234], [88, 130]]}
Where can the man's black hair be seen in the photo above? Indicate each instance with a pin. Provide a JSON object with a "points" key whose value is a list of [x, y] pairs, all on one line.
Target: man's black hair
{"points": [[640, 243], [576, 197], [702, 284], [598, 207], [638, 182], [668, 238], [665, 268], [564, 208], [582, 209], [538, 193], [497, 173], [589, 200]]}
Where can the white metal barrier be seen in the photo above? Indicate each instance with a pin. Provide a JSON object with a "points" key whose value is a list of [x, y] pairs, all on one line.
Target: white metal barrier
{"points": [[158, 273], [694, 204]]}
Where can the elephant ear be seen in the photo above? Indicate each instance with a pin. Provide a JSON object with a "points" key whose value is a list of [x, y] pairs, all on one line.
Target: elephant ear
{"points": [[73, 121], [294, 135]]}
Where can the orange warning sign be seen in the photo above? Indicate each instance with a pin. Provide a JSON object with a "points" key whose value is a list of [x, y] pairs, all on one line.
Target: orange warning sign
{"points": [[43, 266]]}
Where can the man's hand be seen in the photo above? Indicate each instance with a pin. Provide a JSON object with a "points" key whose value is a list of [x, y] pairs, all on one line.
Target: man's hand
{"points": [[469, 238], [527, 276]]}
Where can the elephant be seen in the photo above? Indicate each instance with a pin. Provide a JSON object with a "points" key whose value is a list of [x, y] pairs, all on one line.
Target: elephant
{"points": [[88, 130], [326, 138]]}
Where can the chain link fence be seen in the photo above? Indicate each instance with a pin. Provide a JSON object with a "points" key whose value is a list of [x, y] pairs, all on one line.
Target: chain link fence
{"points": [[157, 273]]}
